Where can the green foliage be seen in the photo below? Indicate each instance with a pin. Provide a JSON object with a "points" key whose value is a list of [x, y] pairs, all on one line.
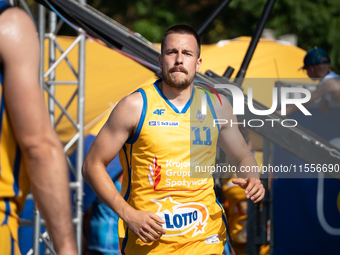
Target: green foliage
{"points": [[315, 22]]}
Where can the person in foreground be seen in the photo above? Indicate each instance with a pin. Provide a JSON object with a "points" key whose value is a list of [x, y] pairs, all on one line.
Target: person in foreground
{"points": [[167, 143], [316, 63], [30, 149]]}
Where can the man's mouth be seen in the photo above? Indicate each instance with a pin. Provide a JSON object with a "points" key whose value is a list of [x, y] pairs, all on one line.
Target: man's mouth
{"points": [[178, 70]]}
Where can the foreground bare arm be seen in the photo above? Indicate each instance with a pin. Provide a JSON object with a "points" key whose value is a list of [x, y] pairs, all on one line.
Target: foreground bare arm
{"points": [[42, 151], [233, 144]]}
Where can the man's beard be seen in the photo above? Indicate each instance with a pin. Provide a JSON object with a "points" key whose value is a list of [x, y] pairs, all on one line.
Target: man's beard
{"points": [[182, 84]]}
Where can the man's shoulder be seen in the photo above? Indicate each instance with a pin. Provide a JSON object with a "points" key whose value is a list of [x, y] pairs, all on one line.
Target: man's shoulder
{"points": [[222, 103], [332, 82], [14, 15], [136, 100], [132, 101], [329, 78], [17, 34]]}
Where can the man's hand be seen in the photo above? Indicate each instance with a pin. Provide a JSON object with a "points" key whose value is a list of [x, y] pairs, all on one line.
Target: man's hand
{"points": [[253, 188], [145, 225]]}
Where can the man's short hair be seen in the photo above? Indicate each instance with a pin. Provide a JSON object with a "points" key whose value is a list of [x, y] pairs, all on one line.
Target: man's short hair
{"points": [[182, 29]]}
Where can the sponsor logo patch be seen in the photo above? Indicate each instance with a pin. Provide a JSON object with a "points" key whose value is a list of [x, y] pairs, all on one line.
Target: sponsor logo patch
{"points": [[212, 239], [159, 111], [181, 218], [201, 117], [159, 123]]}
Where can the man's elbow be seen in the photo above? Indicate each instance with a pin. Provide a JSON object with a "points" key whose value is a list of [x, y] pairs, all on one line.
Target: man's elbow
{"points": [[244, 159], [40, 149], [85, 170]]}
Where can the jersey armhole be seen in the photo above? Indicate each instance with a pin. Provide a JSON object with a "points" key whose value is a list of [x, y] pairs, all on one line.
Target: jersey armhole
{"points": [[212, 110], [4, 6], [142, 117]]}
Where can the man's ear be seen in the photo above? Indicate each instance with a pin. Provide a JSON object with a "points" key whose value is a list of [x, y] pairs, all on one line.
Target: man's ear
{"points": [[160, 62], [313, 68], [198, 64]]}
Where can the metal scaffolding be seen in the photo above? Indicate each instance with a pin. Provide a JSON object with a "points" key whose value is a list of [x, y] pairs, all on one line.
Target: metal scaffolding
{"points": [[49, 84]]}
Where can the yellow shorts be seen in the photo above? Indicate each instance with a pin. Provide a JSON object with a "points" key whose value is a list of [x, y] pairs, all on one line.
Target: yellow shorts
{"points": [[9, 246], [9, 224]]}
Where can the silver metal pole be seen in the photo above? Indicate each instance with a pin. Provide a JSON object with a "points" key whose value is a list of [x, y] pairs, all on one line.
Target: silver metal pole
{"points": [[50, 85], [41, 27], [80, 144], [36, 230], [52, 58]]}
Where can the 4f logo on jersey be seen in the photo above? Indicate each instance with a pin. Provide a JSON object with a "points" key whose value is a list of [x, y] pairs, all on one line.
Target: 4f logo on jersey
{"points": [[181, 218], [159, 111]]}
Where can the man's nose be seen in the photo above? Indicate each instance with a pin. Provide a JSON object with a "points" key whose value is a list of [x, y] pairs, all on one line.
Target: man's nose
{"points": [[179, 58]]}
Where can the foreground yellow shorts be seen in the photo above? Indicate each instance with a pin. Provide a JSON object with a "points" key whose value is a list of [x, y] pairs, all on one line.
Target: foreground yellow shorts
{"points": [[9, 224], [9, 246]]}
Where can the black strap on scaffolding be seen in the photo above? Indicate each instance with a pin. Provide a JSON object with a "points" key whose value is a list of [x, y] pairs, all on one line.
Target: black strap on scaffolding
{"points": [[107, 30], [254, 41], [201, 29]]}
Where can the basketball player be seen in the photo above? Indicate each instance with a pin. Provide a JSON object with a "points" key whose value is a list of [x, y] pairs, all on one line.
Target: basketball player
{"points": [[167, 145], [317, 64]]}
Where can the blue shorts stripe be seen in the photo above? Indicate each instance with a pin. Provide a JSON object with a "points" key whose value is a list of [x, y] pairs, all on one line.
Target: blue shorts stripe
{"points": [[16, 171], [225, 223], [223, 216], [12, 246], [125, 240], [7, 212]]}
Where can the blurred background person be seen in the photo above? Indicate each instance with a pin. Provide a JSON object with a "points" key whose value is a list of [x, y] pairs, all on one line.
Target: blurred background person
{"points": [[316, 63]]}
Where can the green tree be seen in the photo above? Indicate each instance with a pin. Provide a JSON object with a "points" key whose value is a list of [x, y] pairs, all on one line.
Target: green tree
{"points": [[316, 23]]}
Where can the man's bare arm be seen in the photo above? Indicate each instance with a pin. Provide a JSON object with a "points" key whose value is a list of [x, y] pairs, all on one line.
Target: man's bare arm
{"points": [[233, 144], [42, 151], [120, 126]]}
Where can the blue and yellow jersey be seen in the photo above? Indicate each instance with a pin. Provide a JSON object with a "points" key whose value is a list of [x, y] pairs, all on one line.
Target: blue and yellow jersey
{"points": [[165, 171], [14, 182]]}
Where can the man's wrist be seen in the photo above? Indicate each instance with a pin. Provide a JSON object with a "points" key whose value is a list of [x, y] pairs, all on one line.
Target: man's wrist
{"points": [[126, 212]]}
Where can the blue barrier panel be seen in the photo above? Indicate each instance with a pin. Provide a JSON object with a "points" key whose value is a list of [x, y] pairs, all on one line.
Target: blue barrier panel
{"points": [[307, 211]]}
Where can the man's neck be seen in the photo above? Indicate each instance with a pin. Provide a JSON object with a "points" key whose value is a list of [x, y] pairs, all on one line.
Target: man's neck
{"points": [[323, 74], [178, 97]]}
